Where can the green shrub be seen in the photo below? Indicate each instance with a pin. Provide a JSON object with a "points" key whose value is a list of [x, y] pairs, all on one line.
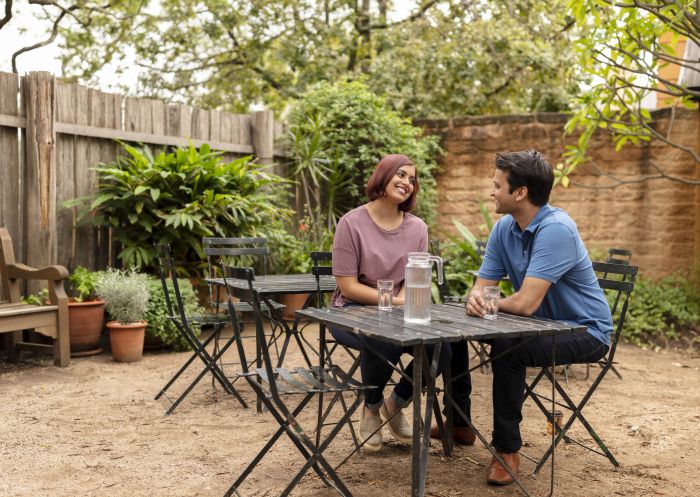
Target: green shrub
{"points": [[179, 197], [291, 243], [341, 132], [660, 310], [159, 325]]}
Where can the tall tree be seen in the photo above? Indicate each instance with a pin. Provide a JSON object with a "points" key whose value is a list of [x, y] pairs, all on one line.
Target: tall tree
{"points": [[436, 58], [625, 47]]}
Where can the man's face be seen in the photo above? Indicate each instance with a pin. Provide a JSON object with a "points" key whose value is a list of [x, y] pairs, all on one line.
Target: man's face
{"points": [[505, 201]]}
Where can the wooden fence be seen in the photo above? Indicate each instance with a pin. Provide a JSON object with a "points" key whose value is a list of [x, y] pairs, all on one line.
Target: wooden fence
{"points": [[52, 134]]}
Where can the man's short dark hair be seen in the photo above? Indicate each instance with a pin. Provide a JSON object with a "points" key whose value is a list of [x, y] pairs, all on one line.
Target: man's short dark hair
{"points": [[530, 169]]}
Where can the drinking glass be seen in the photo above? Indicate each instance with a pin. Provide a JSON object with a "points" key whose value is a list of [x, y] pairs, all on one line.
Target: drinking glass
{"points": [[385, 292], [492, 295]]}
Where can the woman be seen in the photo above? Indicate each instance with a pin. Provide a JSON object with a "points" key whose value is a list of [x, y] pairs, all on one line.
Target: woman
{"points": [[371, 243]]}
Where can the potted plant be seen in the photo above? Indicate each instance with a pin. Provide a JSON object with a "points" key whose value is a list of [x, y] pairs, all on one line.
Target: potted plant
{"points": [[85, 313], [126, 299]]}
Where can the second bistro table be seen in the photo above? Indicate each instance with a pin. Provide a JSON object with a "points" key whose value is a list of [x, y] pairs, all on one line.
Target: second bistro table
{"points": [[277, 284], [449, 324]]}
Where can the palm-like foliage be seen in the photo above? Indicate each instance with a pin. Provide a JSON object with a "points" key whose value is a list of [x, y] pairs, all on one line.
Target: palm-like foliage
{"points": [[178, 197]]}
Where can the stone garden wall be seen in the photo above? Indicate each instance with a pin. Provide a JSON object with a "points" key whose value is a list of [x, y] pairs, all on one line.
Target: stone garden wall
{"points": [[657, 220]]}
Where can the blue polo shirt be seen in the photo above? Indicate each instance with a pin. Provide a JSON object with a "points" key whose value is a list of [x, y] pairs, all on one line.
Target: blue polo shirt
{"points": [[550, 248]]}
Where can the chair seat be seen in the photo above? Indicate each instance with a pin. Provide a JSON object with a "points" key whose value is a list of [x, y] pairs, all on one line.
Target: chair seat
{"points": [[246, 307], [305, 381]]}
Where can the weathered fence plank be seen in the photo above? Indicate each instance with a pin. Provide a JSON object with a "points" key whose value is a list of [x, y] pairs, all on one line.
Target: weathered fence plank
{"points": [[40, 173], [66, 111], [10, 170]]}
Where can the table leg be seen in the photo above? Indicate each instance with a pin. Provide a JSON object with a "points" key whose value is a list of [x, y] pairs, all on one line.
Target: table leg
{"points": [[321, 366], [421, 445], [554, 430], [416, 452]]}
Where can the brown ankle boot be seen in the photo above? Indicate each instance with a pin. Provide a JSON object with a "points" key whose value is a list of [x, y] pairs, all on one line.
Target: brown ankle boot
{"points": [[497, 474], [462, 435]]}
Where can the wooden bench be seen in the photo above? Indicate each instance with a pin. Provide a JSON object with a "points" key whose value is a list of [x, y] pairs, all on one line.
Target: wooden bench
{"points": [[16, 316]]}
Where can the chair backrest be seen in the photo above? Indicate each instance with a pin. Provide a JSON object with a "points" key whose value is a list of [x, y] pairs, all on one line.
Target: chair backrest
{"points": [[243, 251], [322, 266], [619, 256], [617, 281], [166, 271]]}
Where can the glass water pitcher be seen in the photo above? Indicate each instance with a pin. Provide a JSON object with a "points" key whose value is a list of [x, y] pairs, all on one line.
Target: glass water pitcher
{"points": [[418, 279]]}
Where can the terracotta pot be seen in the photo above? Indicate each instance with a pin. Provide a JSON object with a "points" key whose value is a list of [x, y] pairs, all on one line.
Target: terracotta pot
{"points": [[126, 340], [85, 321], [293, 302]]}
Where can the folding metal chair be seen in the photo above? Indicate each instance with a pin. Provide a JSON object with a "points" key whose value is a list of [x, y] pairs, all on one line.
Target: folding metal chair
{"points": [[621, 289], [279, 386], [322, 267], [185, 323], [245, 249], [615, 256]]}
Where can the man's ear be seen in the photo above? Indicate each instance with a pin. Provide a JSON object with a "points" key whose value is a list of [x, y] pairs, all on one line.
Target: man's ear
{"points": [[521, 194]]}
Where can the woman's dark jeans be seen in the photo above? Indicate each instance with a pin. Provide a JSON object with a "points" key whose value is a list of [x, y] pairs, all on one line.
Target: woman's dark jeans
{"points": [[509, 377], [375, 371]]}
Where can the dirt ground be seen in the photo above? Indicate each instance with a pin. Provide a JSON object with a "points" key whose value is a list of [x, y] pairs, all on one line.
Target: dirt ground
{"points": [[94, 429]]}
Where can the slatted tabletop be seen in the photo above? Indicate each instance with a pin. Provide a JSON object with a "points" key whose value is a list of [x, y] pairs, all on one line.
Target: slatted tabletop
{"points": [[282, 283], [449, 323]]}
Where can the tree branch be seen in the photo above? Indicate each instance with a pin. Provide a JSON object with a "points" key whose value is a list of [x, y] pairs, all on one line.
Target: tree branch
{"points": [[617, 181], [8, 13], [48, 41]]}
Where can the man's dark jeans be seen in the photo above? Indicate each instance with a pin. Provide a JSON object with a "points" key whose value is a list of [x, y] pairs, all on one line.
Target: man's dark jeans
{"points": [[509, 377]]}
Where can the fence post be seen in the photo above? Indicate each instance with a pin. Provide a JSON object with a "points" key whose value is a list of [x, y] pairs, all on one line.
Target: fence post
{"points": [[697, 196], [263, 136], [40, 173]]}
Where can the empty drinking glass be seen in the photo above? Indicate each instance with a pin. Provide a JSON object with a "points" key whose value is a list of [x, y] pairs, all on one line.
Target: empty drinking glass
{"points": [[385, 292], [492, 295]]}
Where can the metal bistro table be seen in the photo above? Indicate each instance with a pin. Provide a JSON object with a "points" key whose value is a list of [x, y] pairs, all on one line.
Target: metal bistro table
{"points": [[449, 324], [276, 284]]}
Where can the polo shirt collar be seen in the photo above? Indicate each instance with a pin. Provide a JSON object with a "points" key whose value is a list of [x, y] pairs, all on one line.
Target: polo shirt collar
{"points": [[541, 215]]}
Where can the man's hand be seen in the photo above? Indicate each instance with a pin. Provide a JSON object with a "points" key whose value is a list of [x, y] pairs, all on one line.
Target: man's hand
{"points": [[475, 303]]}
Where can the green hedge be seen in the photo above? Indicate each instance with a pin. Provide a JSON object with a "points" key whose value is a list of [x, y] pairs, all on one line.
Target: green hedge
{"points": [[662, 310]]}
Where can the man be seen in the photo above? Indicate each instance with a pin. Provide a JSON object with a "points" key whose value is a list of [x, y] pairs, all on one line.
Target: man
{"points": [[541, 251]]}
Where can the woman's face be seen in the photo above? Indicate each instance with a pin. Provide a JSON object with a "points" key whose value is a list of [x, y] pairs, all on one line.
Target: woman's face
{"points": [[401, 185]]}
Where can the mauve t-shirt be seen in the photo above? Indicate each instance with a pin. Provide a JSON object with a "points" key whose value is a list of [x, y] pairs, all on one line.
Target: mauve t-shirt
{"points": [[363, 249]]}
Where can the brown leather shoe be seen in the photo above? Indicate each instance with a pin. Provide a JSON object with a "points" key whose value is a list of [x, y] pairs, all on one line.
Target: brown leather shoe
{"points": [[497, 474], [462, 435]]}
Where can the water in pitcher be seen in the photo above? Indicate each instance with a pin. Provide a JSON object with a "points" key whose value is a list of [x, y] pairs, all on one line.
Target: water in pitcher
{"points": [[417, 308], [417, 281]]}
